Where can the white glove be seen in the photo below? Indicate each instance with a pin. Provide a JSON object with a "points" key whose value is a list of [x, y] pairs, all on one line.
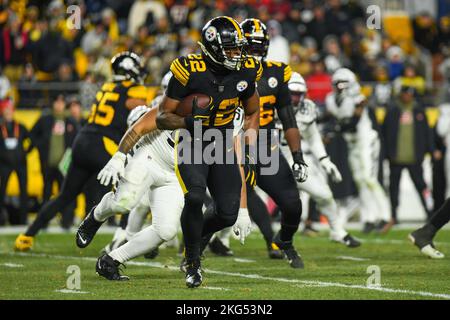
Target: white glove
{"points": [[331, 169], [113, 170], [243, 225]]}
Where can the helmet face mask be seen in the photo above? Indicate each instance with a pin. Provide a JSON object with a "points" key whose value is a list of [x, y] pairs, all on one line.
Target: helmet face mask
{"points": [[257, 37], [223, 43]]}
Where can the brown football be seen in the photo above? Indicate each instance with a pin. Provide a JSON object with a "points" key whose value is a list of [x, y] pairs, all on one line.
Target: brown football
{"points": [[185, 107]]}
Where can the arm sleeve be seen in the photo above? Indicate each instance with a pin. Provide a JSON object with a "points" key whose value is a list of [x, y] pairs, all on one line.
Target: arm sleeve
{"points": [[287, 117]]}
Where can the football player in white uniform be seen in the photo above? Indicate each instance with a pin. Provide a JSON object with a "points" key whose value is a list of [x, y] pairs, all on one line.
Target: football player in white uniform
{"points": [[319, 163], [138, 214], [347, 105], [151, 167]]}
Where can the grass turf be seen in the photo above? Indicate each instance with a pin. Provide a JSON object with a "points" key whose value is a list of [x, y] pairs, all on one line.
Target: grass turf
{"points": [[328, 274]]}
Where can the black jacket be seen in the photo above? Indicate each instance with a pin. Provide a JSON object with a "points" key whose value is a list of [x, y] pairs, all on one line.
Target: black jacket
{"points": [[15, 156], [423, 134], [42, 131]]}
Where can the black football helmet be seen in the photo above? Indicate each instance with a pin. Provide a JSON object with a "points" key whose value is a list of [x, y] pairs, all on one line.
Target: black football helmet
{"points": [[257, 37], [127, 65], [223, 43]]}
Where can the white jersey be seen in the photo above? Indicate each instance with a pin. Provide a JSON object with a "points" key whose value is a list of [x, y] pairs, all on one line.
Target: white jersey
{"points": [[306, 117], [159, 143], [345, 111]]}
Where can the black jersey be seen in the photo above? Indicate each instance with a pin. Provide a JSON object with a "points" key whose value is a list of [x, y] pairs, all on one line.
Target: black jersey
{"points": [[109, 113], [273, 91], [192, 75]]}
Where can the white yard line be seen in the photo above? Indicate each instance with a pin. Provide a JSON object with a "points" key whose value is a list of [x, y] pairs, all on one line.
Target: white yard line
{"points": [[11, 265], [71, 291], [215, 288], [242, 260], [255, 276], [352, 258]]}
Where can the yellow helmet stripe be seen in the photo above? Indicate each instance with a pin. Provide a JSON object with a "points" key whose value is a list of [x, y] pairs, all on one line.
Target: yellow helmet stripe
{"points": [[238, 28]]}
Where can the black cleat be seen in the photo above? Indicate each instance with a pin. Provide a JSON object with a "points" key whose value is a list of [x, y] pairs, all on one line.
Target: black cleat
{"points": [[275, 252], [368, 227], [87, 230], [108, 268], [218, 248], [152, 254], [193, 274], [295, 260], [351, 242]]}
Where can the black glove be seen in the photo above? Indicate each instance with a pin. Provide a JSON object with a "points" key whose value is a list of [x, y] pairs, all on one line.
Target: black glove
{"points": [[299, 167], [198, 114], [249, 168]]}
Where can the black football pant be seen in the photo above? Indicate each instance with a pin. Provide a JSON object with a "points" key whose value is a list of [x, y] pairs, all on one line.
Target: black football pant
{"points": [[21, 171], [442, 216], [282, 188], [416, 174], [224, 184], [88, 158], [50, 176]]}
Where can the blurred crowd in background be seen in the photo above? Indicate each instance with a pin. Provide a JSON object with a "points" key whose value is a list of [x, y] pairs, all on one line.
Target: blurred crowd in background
{"points": [[45, 57]]}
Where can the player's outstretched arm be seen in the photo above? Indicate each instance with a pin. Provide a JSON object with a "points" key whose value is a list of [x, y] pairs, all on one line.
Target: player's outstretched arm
{"points": [[144, 125], [115, 167], [243, 225]]}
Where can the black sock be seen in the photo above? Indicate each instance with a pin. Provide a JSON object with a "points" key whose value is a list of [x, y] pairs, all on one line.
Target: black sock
{"points": [[287, 232], [441, 216], [192, 225], [259, 214]]}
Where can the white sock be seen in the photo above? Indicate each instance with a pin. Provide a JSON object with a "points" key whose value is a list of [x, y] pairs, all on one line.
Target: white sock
{"points": [[337, 231], [142, 242], [104, 209]]}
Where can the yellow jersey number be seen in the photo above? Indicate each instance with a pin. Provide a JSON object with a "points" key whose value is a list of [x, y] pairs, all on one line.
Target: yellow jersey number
{"points": [[102, 113], [265, 111], [225, 112]]}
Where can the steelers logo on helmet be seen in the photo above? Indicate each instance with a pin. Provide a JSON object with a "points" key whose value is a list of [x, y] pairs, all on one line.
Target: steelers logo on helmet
{"points": [[127, 64], [242, 85], [211, 33], [273, 82]]}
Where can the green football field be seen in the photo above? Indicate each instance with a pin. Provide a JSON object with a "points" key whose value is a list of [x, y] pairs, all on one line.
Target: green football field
{"points": [[331, 271]]}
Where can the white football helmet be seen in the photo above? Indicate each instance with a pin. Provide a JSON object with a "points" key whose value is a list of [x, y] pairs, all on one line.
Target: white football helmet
{"points": [[297, 87], [345, 83], [136, 114]]}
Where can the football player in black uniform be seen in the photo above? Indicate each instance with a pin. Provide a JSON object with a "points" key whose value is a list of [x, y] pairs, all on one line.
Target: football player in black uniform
{"points": [[97, 140], [281, 186], [224, 73]]}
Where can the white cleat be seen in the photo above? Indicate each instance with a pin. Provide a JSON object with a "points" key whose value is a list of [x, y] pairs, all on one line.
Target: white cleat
{"points": [[431, 252]]}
